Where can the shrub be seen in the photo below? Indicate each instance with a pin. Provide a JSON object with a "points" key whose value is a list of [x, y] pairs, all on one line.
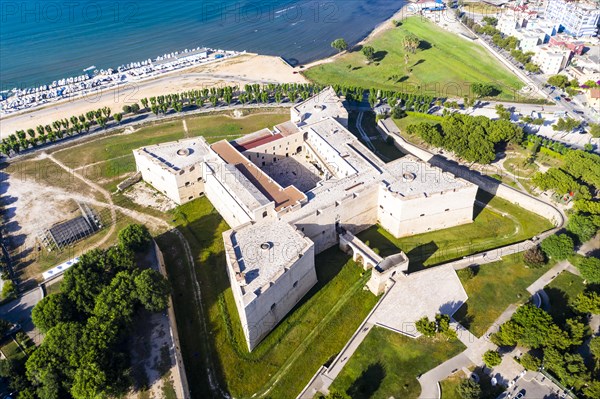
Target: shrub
{"points": [[398, 113], [466, 274], [558, 247], [492, 358], [534, 257], [426, 327]]}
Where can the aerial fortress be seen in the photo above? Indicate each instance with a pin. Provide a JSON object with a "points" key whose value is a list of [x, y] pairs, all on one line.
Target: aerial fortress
{"points": [[294, 191]]}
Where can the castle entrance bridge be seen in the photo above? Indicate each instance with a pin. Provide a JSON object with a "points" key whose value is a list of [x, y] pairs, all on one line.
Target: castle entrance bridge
{"points": [[361, 252]]}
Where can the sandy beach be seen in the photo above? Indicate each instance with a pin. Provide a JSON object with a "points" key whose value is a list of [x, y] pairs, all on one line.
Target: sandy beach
{"points": [[240, 70]]}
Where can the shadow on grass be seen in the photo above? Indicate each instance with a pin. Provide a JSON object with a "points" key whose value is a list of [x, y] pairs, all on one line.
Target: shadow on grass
{"points": [[420, 254], [368, 382], [559, 305], [424, 45], [379, 55], [463, 317]]}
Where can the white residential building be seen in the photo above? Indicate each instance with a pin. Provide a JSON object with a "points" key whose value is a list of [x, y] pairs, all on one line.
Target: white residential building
{"points": [[577, 18], [551, 60]]}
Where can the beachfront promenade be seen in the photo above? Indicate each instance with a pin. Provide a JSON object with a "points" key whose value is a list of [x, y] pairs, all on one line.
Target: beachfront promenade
{"points": [[19, 100]]}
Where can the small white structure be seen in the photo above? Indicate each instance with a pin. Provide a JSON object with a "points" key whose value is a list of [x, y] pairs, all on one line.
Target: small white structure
{"points": [[294, 191]]}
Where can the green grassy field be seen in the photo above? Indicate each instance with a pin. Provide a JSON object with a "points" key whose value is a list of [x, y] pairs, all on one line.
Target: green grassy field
{"points": [[445, 64], [386, 364], [494, 287], [489, 230], [215, 128], [561, 291], [286, 360]]}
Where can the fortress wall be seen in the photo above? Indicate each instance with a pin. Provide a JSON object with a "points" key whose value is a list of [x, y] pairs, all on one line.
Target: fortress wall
{"points": [[260, 316], [157, 177], [355, 213], [228, 206], [487, 184]]}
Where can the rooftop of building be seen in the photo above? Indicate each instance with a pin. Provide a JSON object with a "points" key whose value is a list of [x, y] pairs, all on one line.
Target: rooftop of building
{"points": [[283, 197], [320, 106], [255, 139], [413, 177], [264, 250], [177, 155]]}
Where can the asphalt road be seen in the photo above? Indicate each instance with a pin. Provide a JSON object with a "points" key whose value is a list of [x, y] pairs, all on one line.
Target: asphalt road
{"points": [[19, 311]]}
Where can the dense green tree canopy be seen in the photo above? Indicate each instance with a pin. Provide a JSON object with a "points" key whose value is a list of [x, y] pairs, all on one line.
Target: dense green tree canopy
{"points": [[559, 246], [53, 309], [134, 237]]}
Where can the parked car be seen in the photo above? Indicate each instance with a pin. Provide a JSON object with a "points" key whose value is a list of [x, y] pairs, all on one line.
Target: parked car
{"points": [[578, 111], [567, 99], [557, 98], [520, 395]]}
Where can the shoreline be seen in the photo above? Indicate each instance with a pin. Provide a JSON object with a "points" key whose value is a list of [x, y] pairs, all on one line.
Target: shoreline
{"points": [[399, 15], [122, 93]]}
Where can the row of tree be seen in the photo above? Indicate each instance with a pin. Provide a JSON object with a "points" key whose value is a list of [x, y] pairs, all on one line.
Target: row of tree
{"points": [[84, 353]]}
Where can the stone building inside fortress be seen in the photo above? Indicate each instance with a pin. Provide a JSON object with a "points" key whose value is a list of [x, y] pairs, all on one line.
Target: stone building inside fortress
{"points": [[291, 192]]}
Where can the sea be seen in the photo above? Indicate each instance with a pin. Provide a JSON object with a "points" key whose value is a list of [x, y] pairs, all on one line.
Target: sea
{"points": [[45, 40]]}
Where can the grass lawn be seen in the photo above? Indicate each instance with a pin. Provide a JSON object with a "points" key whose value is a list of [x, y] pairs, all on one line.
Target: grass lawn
{"points": [[286, 360], [494, 287], [489, 230], [53, 288], [449, 386], [11, 350], [387, 364], [115, 151], [386, 152], [220, 127], [445, 64], [561, 291]]}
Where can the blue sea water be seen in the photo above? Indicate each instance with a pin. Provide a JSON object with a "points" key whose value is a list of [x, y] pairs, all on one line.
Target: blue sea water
{"points": [[44, 40]]}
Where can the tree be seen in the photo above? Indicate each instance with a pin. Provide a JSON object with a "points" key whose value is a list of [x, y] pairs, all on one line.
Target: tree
{"points": [[135, 237], [8, 290], [51, 310], [118, 117], [368, 52], [483, 89], [152, 290], [469, 389], [558, 81], [530, 362], [492, 358], [558, 247], [566, 125], [534, 257], [411, 43], [584, 227], [426, 327], [587, 302], [339, 44], [590, 269], [126, 109], [594, 129], [5, 326]]}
